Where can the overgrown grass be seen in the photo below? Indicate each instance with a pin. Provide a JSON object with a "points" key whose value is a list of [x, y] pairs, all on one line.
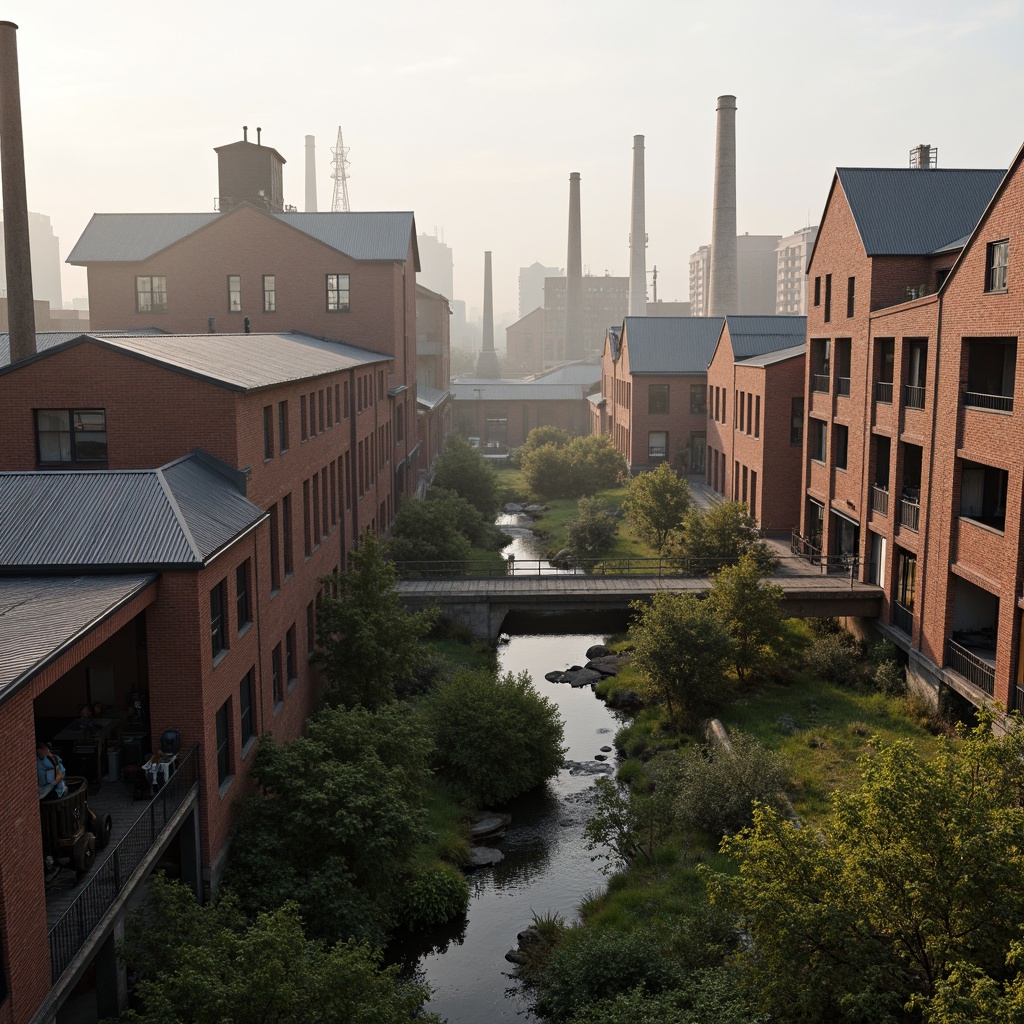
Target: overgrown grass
{"points": [[447, 830]]}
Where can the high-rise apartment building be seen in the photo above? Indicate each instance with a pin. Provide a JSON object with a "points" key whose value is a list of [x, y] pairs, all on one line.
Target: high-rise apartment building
{"points": [[437, 267], [792, 254], [531, 286], [756, 267], [45, 245]]}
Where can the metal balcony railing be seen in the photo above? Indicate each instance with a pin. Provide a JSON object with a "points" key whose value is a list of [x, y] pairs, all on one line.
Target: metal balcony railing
{"points": [[998, 403], [842, 385], [106, 883], [974, 669], [879, 500], [910, 514], [902, 618], [809, 551], [820, 383], [913, 396], [883, 392]]}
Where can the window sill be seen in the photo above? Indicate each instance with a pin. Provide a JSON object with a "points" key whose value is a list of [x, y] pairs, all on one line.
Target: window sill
{"points": [[291, 684], [982, 526], [996, 291], [221, 655], [225, 786], [277, 707], [274, 592], [247, 746], [244, 628]]}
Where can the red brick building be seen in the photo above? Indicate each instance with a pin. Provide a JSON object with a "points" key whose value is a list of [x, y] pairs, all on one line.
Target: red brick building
{"points": [[654, 390], [755, 417], [433, 374], [912, 437]]}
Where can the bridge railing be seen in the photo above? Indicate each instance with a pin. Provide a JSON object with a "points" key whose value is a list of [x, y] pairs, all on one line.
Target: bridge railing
{"points": [[527, 567], [806, 550]]}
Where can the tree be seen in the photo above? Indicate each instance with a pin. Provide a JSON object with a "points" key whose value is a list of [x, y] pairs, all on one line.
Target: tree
{"points": [[656, 503], [583, 466], [462, 469], [495, 736], [207, 965], [720, 534], [592, 531], [539, 436], [335, 822], [908, 893], [428, 530], [366, 641], [748, 607], [682, 648], [546, 470]]}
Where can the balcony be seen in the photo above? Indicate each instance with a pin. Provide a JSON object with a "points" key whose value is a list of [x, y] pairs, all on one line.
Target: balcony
{"points": [[843, 386], [973, 656], [991, 403], [913, 397], [902, 618], [879, 500], [74, 914], [883, 392], [820, 383], [910, 513]]}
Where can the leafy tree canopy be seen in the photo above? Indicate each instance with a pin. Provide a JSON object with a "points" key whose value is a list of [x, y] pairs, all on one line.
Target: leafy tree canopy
{"points": [[720, 534], [656, 504], [429, 531], [591, 531], [462, 469], [208, 965], [583, 466]]}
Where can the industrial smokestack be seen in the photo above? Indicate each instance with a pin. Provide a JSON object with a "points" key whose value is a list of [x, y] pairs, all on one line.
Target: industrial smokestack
{"points": [[245, 133], [574, 276], [724, 285], [20, 311], [638, 236], [310, 174], [487, 364]]}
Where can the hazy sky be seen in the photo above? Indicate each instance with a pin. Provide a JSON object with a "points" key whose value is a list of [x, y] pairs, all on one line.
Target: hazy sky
{"points": [[472, 114]]}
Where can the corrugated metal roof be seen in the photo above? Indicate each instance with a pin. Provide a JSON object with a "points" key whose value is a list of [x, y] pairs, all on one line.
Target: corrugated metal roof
{"points": [[515, 391], [905, 211], [671, 344], [133, 237], [50, 339], [758, 335], [110, 520], [430, 397], [41, 616], [779, 356], [571, 373]]}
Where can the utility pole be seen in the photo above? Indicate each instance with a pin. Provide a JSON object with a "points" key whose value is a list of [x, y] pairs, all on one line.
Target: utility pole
{"points": [[654, 279], [339, 202]]}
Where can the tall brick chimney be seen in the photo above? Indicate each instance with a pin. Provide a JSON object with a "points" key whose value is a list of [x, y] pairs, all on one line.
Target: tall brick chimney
{"points": [[310, 174], [574, 276], [638, 236], [20, 310], [724, 288], [487, 363]]}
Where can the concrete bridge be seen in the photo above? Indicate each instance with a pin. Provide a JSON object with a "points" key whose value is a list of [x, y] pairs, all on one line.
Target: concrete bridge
{"points": [[482, 604]]}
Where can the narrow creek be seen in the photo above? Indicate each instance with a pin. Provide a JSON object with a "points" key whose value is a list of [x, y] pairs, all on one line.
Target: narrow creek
{"points": [[547, 867]]}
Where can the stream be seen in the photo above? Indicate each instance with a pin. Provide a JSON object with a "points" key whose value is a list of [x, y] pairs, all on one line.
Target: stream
{"points": [[547, 867]]}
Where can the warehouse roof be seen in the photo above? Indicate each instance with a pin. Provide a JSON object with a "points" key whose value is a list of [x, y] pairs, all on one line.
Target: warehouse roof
{"points": [[670, 344], [51, 339], [760, 335]]}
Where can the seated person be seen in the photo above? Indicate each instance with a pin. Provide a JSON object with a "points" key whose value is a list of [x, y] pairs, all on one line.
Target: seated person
{"points": [[49, 770], [86, 721]]}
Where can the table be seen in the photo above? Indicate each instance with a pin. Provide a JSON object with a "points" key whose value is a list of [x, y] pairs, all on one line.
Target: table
{"points": [[159, 772], [95, 736]]}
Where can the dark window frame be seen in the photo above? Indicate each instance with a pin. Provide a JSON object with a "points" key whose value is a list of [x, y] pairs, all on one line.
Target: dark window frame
{"points": [[268, 433], [282, 426], [234, 293], [77, 437], [269, 293], [997, 261], [247, 731], [828, 298], [243, 606], [223, 724], [219, 619], [657, 399], [339, 294], [152, 298], [851, 284]]}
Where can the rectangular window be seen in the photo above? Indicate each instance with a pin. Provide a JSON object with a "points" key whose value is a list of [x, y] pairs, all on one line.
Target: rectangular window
{"points": [[312, 414], [657, 444], [275, 554], [842, 439], [307, 536], [302, 416], [843, 365], [817, 291], [337, 293], [344, 398], [234, 293], [334, 496], [315, 529], [218, 613], [286, 534], [151, 294], [657, 399], [268, 432], [276, 669], [310, 629], [996, 260], [380, 385], [324, 528], [400, 423], [850, 301], [337, 403], [282, 426], [818, 438], [698, 404], [245, 708], [223, 744], [828, 297], [242, 596], [320, 406], [348, 480], [330, 407], [71, 436], [289, 652], [269, 293], [750, 409], [757, 416], [740, 409]]}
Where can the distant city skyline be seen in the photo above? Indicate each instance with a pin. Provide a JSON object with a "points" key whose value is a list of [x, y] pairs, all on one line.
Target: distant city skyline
{"points": [[473, 116]]}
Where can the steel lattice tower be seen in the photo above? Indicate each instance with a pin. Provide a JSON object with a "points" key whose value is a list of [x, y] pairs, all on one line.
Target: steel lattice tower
{"points": [[339, 203]]}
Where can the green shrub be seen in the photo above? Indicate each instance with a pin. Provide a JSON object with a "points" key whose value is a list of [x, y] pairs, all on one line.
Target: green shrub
{"points": [[835, 657], [537, 438], [434, 896], [583, 466], [592, 531], [462, 469], [630, 771]]}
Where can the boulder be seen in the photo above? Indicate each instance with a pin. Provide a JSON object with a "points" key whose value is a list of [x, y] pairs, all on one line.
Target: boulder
{"points": [[484, 856], [555, 677], [513, 508], [598, 651], [600, 757], [535, 509], [577, 677], [513, 956], [588, 768], [625, 700], [489, 825], [606, 750], [607, 665], [529, 936]]}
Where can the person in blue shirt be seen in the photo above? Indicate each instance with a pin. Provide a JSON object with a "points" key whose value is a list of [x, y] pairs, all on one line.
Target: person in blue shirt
{"points": [[49, 770]]}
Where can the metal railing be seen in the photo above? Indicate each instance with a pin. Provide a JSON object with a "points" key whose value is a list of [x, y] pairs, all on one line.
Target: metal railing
{"points": [[883, 392], [77, 923], [902, 618], [974, 669], [809, 551], [913, 396], [820, 382], [910, 514], [537, 568], [842, 385], [999, 403], [879, 500]]}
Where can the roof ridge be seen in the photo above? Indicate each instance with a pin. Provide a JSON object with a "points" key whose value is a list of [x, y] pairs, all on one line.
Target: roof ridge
{"points": [[178, 514]]}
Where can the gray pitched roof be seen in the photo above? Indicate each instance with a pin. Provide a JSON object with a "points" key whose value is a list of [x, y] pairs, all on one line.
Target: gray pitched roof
{"points": [[429, 397], [42, 616], [758, 335], [119, 520], [779, 356], [133, 237], [671, 344], [240, 362], [571, 373], [51, 339], [905, 211]]}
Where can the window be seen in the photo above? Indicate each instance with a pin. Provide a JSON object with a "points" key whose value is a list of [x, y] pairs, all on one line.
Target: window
{"points": [[151, 294], [828, 297], [337, 293], [325, 529], [818, 438], [337, 403], [286, 533], [334, 497], [344, 395], [218, 611], [234, 293], [312, 414], [917, 373], [400, 423], [757, 416], [330, 407], [223, 744], [242, 595], [657, 444], [996, 260], [310, 629], [817, 291], [843, 365], [842, 439], [282, 426], [307, 537], [275, 554], [269, 293], [698, 401], [245, 709], [268, 432], [316, 510], [657, 399], [750, 403], [983, 494], [276, 670], [289, 654], [850, 301], [302, 416], [71, 436], [320, 406], [380, 385]]}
